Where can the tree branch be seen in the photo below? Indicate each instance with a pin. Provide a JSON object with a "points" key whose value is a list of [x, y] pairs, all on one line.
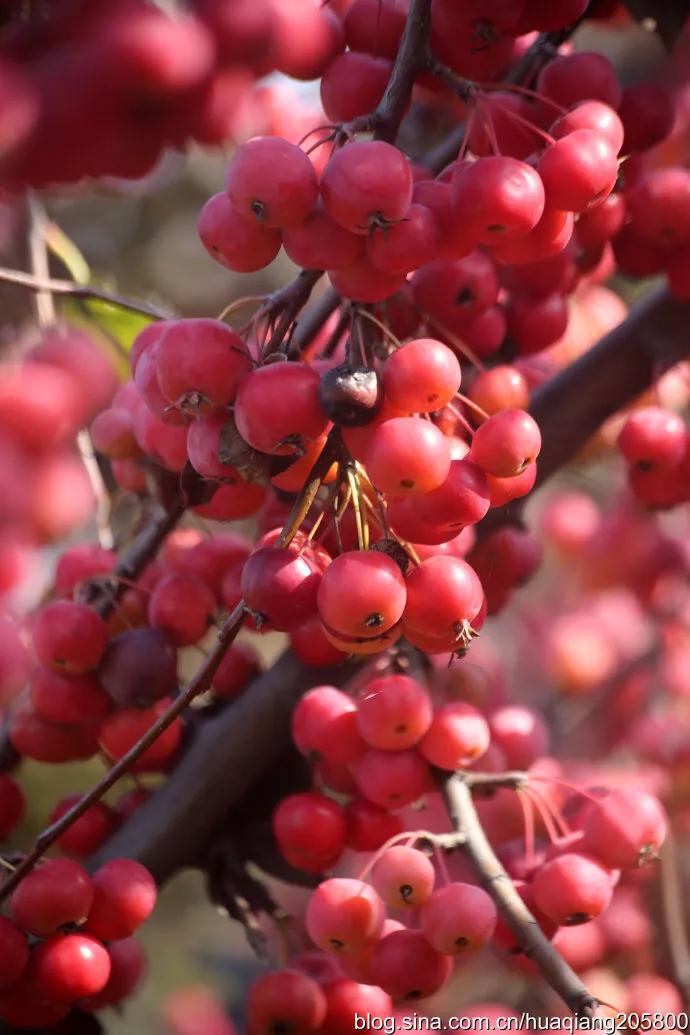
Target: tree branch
{"points": [[228, 754], [71, 288], [498, 884], [572, 405], [674, 914], [411, 56]]}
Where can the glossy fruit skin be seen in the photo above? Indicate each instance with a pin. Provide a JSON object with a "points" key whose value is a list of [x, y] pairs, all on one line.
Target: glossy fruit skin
{"points": [[14, 952], [366, 182], [458, 918], [407, 456], [653, 438], [310, 829], [285, 999], [362, 593], [353, 84], [325, 723], [498, 197], [346, 998], [442, 594], [124, 896], [281, 586], [406, 245], [69, 638], [506, 443], [578, 170], [422, 376], [127, 968], [393, 713], [58, 892], [459, 735], [199, 363], [277, 408], [594, 115], [572, 888], [234, 241], [344, 915], [405, 966], [319, 242], [69, 967], [182, 608], [392, 779], [404, 877], [625, 829], [272, 181]]}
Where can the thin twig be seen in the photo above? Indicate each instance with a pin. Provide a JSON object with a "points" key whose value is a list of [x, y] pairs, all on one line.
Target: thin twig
{"points": [[201, 682], [38, 257], [532, 940], [71, 288]]}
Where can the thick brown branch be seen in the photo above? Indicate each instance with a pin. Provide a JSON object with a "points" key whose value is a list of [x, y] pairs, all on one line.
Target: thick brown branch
{"points": [[498, 884], [284, 306], [227, 756], [571, 406]]}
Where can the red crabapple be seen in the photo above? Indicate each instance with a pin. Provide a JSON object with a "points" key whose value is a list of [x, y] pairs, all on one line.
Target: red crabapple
{"points": [[369, 826], [325, 723], [392, 779], [572, 888], [310, 830], [394, 712], [578, 170], [458, 917], [506, 443], [346, 998], [272, 181], [362, 593], [69, 967], [652, 437], [625, 828], [232, 240], [422, 376], [124, 896], [285, 1000], [444, 595], [406, 966], [403, 876], [367, 183], [277, 408], [458, 736], [57, 892], [407, 456], [182, 607], [344, 915], [69, 638], [497, 198]]}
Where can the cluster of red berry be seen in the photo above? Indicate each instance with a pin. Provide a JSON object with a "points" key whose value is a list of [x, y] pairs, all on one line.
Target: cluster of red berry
{"points": [[69, 939], [392, 933], [147, 81]]}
